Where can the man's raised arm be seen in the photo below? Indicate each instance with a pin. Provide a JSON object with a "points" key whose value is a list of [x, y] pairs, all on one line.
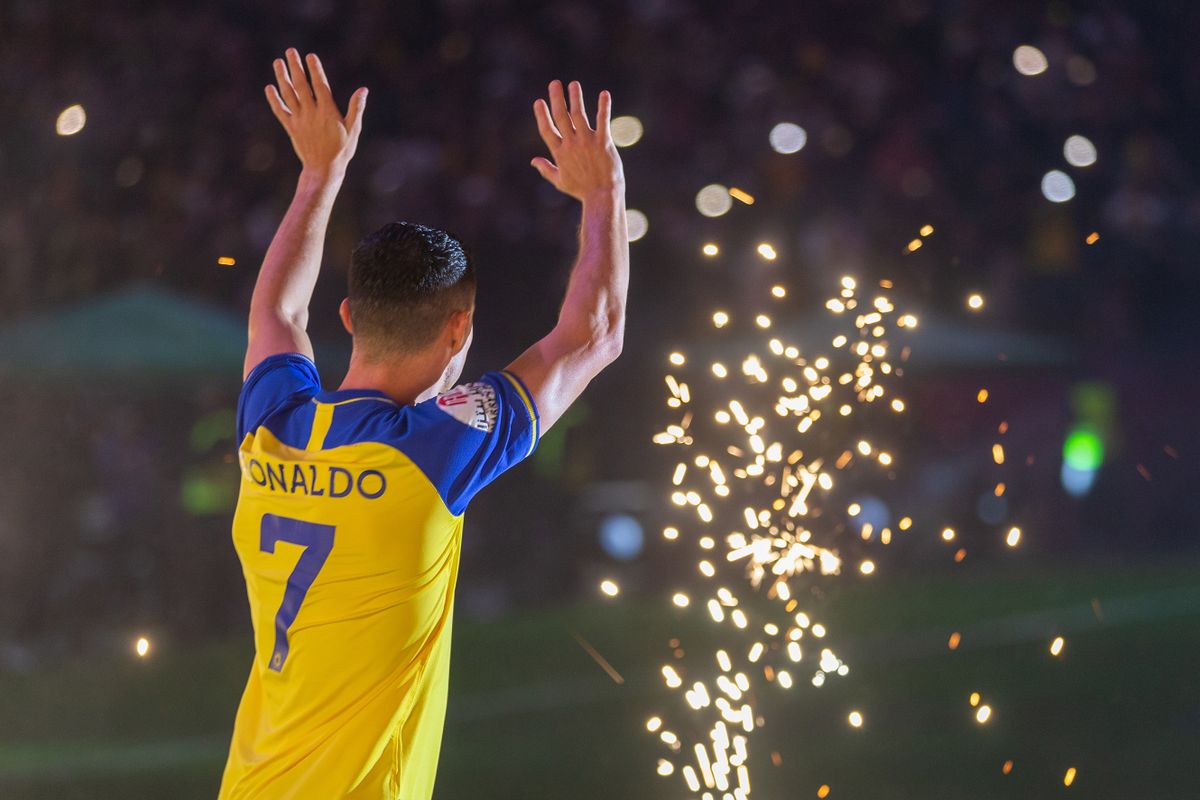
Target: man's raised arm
{"points": [[325, 141], [591, 323]]}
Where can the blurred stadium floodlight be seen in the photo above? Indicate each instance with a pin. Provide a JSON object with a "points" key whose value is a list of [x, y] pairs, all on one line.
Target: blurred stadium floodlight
{"points": [[614, 512]]}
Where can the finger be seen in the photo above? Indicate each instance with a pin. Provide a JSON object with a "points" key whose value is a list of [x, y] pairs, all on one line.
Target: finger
{"points": [[354, 114], [558, 109], [277, 106], [604, 114], [286, 90], [546, 170], [299, 78], [546, 128], [578, 112], [320, 83]]}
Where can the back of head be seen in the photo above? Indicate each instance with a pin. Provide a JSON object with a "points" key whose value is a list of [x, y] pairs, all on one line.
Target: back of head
{"points": [[406, 280]]}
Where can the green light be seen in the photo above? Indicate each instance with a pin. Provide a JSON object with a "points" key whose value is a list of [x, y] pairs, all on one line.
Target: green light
{"points": [[1083, 450]]}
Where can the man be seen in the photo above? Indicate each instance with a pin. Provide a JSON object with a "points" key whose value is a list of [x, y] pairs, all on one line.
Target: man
{"points": [[349, 520]]}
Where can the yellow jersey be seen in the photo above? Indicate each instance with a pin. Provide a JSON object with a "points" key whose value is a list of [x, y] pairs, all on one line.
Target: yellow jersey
{"points": [[349, 528]]}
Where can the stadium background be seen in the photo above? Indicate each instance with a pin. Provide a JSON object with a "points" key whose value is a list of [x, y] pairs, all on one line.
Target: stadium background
{"points": [[121, 332]]}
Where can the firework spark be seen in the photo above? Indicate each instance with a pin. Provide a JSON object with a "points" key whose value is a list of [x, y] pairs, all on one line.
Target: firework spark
{"points": [[763, 445]]}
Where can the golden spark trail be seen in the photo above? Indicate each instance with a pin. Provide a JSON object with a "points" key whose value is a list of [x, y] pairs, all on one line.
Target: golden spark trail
{"points": [[764, 443]]}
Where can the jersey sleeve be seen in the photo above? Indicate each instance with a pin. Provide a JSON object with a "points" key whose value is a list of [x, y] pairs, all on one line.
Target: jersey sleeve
{"points": [[467, 437], [279, 381]]}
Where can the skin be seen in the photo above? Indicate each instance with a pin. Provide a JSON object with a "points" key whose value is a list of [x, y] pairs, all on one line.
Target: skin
{"points": [[583, 164]]}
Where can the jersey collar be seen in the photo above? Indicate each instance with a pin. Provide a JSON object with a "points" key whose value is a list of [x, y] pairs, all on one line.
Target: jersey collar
{"points": [[343, 395]]}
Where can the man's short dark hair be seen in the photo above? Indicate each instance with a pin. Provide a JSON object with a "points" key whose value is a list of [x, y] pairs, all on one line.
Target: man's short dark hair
{"points": [[405, 282]]}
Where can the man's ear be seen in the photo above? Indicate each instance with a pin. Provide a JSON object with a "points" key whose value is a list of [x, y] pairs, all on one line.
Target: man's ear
{"points": [[459, 326], [344, 313]]}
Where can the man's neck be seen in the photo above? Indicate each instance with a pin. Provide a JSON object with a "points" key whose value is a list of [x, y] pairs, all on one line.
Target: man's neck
{"points": [[405, 380]]}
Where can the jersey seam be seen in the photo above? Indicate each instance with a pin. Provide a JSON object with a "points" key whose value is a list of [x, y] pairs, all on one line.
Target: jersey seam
{"points": [[530, 408]]}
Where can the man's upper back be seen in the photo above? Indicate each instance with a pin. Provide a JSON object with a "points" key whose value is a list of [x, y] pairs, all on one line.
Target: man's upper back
{"points": [[348, 528]]}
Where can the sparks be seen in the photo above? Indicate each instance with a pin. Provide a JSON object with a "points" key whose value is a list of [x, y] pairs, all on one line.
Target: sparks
{"points": [[754, 486], [741, 196]]}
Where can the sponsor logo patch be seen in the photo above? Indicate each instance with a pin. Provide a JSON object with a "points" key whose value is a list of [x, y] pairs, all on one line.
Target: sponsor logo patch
{"points": [[471, 404]]}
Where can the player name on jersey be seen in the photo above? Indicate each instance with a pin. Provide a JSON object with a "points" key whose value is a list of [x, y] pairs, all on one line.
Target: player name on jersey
{"points": [[314, 480]]}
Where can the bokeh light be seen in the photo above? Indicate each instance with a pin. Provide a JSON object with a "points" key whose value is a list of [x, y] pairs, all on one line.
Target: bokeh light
{"points": [[1083, 449], [70, 120], [1057, 186], [1081, 71], [142, 646], [621, 536], [1029, 60], [787, 138], [1079, 151], [626, 131], [637, 224], [713, 200], [610, 588]]}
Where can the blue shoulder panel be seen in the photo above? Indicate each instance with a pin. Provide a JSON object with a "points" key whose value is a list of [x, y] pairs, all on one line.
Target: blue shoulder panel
{"points": [[278, 393], [461, 440]]}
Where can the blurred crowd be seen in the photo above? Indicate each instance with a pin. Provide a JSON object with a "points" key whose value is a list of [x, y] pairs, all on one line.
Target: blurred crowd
{"points": [[913, 112], [914, 115]]}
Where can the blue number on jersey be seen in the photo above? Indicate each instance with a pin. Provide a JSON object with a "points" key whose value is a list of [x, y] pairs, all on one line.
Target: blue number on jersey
{"points": [[317, 541]]}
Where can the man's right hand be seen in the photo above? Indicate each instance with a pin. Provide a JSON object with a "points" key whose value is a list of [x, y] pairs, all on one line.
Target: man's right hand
{"points": [[324, 140], [585, 160]]}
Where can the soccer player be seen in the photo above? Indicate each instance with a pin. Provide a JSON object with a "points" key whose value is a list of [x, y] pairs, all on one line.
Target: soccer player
{"points": [[350, 515]]}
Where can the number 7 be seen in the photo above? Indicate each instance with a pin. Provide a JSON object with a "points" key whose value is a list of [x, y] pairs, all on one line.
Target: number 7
{"points": [[317, 541]]}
